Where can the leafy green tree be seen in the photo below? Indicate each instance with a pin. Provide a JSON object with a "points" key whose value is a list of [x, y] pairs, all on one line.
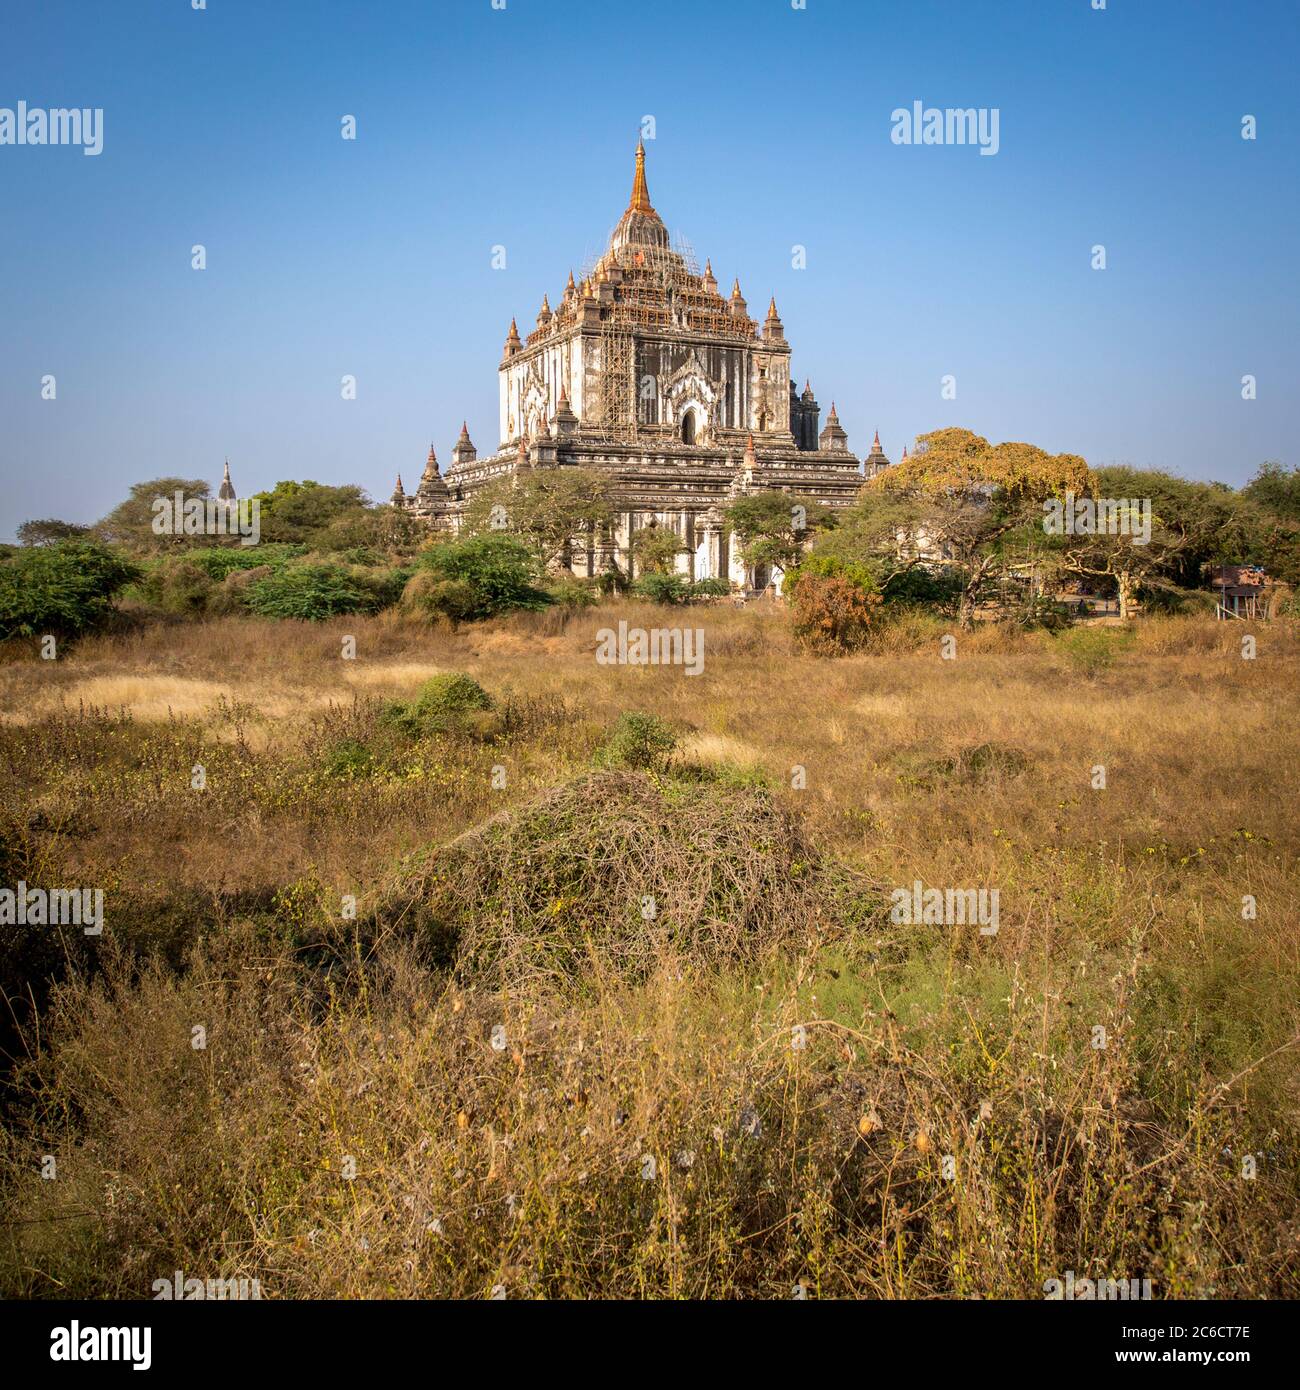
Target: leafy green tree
{"points": [[655, 549], [383, 530], [131, 522], [300, 512], [62, 589], [50, 531], [825, 564], [1275, 490], [1273, 495], [773, 528], [546, 508], [1200, 523], [1120, 558]]}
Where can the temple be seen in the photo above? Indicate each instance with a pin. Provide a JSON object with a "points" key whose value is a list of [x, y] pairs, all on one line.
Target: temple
{"points": [[645, 372]]}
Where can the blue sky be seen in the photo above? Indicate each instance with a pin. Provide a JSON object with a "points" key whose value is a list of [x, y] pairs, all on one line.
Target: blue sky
{"points": [[478, 127]]}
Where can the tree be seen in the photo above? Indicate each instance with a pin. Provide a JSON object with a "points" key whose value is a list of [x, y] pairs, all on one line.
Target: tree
{"points": [[1121, 558], [958, 500], [62, 589], [382, 529], [1273, 497], [1202, 523], [300, 512], [131, 523], [50, 531], [1275, 490], [546, 509], [773, 528], [656, 549]]}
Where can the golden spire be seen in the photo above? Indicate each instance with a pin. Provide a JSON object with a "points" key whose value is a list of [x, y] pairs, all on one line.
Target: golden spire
{"points": [[640, 193]]}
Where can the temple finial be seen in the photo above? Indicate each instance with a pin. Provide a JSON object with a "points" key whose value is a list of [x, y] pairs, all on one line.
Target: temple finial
{"points": [[640, 201]]}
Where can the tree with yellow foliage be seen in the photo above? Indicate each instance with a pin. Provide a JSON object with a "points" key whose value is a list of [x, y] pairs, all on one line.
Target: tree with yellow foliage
{"points": [[957, 500]]}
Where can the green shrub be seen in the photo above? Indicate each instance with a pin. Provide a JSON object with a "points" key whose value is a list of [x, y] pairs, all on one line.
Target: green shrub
{"points": [[639, 741], [456, 599], [710, 588], [231, 595], [347, 759], [919, 588], [61, 589], [361, 555], [663, 588], [309, 593], [218, 561], [676, 588], [430, 597], [450, 693], [452, 700], [820, 565], [177, 586], [500, 571], [385, 586], [570, 592]]}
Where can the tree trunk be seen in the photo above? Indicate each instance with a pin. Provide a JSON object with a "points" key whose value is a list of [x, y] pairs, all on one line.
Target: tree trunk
{"points": [[1127, 594], [966, 611]]}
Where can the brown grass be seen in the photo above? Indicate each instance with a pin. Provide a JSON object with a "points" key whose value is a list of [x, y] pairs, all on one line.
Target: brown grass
{"points": [[525, 1166]]}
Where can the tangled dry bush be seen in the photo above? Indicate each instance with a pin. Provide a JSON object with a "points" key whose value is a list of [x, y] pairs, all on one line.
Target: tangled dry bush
{"points": [[625, 869]]}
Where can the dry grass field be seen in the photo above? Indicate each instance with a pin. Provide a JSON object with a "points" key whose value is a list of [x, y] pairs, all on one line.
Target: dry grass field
{"points": [[504, 1074]]}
